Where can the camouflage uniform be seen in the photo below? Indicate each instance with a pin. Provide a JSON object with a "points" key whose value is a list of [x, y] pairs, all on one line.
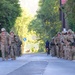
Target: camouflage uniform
{"points": [[65, 42], [58, 44], [73, 47], [12, 43], [53, 49], [73, 52], [62, 44], [70, 44], [4, 38], [18, 43]]}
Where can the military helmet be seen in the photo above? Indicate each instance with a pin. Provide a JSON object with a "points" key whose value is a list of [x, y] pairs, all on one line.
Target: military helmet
{"points": [[11, 31], [3, 29], [69, 31]]}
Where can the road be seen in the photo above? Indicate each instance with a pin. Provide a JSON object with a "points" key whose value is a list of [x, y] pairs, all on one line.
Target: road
{"points": [[37, 64]]}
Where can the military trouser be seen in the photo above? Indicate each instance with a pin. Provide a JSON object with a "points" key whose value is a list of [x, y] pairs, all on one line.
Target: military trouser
{"points": [[73, 52], [18, 51], [13, 50], [61, 52], [67, 53], [4, 50], [58, 51], [53, 51], [70, 53]]}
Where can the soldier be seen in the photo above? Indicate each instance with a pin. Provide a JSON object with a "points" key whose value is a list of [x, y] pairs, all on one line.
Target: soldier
{"points": [[58, 44], [65, 45], [70, 43], [62, 44], [73, 47], [4, 38], [53, 49], [18, 43], [12, 43]]}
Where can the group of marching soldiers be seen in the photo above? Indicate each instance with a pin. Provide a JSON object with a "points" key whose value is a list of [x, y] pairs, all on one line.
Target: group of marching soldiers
{"points": [[63, 45], [10, 45]]}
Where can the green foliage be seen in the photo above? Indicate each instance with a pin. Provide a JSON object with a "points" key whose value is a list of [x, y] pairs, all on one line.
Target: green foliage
{"points": [[21, 27], [32, 49], [49, 14], [46, 23], [9, 11], [21, 24], [70, 13], [41, 47]]}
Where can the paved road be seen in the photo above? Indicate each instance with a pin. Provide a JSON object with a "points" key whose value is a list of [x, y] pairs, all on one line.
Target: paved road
{"points": [[37, 64]]}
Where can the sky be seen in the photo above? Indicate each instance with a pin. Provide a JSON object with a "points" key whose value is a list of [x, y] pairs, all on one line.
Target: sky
{"points": [[30, 5]]}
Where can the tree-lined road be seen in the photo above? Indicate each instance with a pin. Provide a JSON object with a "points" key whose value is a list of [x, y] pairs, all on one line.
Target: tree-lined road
{"points": [[37, 64]]}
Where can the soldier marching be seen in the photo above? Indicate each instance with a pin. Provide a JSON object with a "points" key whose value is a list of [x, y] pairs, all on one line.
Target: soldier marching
{"points": [[63, 45], [8, 45]]}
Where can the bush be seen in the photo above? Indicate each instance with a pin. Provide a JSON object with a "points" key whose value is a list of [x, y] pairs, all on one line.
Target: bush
{"points": [[41, 49]]}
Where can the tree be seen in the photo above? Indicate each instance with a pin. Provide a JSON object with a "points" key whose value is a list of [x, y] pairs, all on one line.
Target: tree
{"points": [[46, 23], [9, 11], [47, 19], [49, 14], [69, 9], [21, 27]]}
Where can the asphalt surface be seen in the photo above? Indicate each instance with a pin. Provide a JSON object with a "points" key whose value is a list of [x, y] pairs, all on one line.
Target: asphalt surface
{"points": [[37, 64]]}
